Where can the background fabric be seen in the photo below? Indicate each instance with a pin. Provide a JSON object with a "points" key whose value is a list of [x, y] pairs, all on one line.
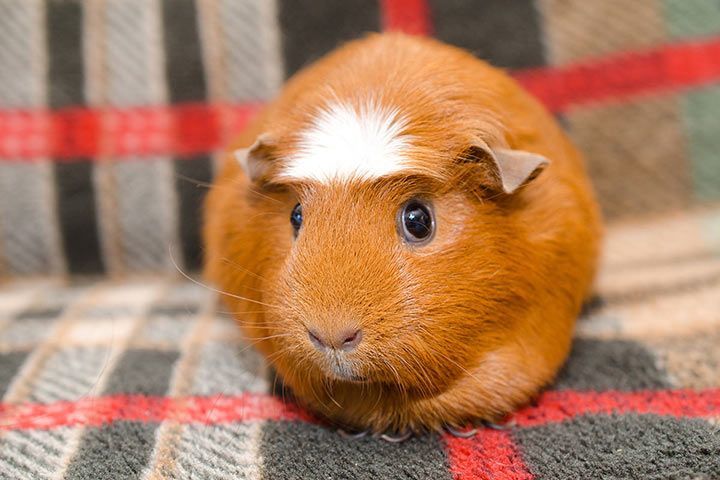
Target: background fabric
{"points": [[150, 379], [112, 112]]}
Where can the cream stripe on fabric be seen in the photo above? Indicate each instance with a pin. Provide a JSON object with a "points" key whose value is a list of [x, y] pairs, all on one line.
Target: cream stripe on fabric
{"points": [[21, 294], [136, 194], [29, 239], [215, 64], [635, 244], [95, 48], [168, 437], [574, 30], [251, 48], [241, 49], [237, 457]]}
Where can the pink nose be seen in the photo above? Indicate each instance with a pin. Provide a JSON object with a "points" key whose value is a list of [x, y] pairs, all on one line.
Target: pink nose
{"points": [[345, 339]]}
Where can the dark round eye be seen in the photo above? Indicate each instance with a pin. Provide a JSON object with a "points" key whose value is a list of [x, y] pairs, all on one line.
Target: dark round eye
{"points": [[296, 218], [416, 222]]}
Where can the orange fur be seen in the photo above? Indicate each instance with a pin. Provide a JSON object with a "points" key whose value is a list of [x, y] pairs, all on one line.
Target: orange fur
{"points": [[467, 327]]}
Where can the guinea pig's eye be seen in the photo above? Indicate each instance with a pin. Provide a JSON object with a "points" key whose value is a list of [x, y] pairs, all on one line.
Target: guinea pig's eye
{"points": [[415, 222], [296, 218]]}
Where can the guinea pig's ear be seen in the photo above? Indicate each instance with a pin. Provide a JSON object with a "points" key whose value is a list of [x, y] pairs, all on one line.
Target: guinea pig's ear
{"points": [[511, 168], [255, 159]]}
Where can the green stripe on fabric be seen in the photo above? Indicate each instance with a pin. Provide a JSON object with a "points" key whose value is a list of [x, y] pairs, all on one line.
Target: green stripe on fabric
{"points": [[702, 122], [711, 228], [692, 18]]}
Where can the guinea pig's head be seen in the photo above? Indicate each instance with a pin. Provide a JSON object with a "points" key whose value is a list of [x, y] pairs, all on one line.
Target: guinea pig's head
{"points": [[384, 253]]}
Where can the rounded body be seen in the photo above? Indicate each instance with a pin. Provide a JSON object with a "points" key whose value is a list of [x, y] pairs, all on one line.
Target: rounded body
{"points": [[367, 328]]}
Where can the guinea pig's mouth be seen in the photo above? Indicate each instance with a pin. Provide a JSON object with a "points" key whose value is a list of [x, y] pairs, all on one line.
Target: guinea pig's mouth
{"points": [[337, 367]]}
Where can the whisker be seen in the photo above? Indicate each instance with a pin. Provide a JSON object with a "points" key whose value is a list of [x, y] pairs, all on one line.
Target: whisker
{"points": [[188, 277], [237, 265], [251, 190], [195, 181], [243, 312]]}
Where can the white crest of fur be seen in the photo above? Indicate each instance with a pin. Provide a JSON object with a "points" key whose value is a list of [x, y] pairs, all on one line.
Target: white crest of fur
{"points": [[346, 143]]}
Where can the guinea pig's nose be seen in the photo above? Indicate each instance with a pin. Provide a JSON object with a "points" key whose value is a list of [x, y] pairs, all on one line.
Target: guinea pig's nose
{"points": [[344, 339]]}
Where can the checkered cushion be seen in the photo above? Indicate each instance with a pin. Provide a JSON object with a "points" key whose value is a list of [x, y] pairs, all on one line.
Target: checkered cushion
{"points": [[112, 112], [151, 379]]}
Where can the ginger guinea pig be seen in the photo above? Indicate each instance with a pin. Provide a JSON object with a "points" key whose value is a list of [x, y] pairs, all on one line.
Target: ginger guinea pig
{"points": [[406, 235]]}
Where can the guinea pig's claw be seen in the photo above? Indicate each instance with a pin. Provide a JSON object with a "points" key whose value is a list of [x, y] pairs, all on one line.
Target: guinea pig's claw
{"points": [[396, 439], [500, 426], [461, 433], [355, 435]]}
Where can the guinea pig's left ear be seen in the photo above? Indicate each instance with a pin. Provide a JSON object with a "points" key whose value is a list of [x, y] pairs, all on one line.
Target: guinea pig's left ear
{"points": [[255, 159], [512, 168]]}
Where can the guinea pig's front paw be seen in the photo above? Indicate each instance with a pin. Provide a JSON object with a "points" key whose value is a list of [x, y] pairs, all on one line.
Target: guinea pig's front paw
{"points": [[352, 435], [391, 437], [395, 437], [500, 426], [472, 430], [461, 433]]}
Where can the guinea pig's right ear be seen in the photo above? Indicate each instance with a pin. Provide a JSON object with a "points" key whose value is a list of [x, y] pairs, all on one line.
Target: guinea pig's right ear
{"points": [[255, 159]]}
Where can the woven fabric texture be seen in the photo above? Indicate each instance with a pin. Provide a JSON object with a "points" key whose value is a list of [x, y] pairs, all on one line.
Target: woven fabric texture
{"points": [[149, 379], [113, 112]]}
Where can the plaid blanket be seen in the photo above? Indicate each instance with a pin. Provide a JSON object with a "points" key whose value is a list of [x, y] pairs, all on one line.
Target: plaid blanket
{"points": [[112, 112], [150, 379], [112, 117]]}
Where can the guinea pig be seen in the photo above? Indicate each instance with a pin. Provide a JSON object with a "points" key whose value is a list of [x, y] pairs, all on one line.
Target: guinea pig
{"points": [[406, 235]]}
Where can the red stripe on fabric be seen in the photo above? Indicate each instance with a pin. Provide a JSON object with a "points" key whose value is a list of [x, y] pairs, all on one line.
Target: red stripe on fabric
{"points": [[102, 410], [491, 454], [194, 128], [557, 406], [408, 16], [551, 407], [625, 75], [76, 133], [180, 130]]}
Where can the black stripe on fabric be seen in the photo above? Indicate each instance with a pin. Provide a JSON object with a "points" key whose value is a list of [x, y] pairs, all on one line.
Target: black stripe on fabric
{"points": [[507, 34], [622, 446], [117, 450], [193, 175], [186, 83], [610, 365], [64, 37], [78, 221], [311, 28], [74, 185], [183, 53], [302, 450], [142, 371], [10, 363], [34, 313], [592, 305]]}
